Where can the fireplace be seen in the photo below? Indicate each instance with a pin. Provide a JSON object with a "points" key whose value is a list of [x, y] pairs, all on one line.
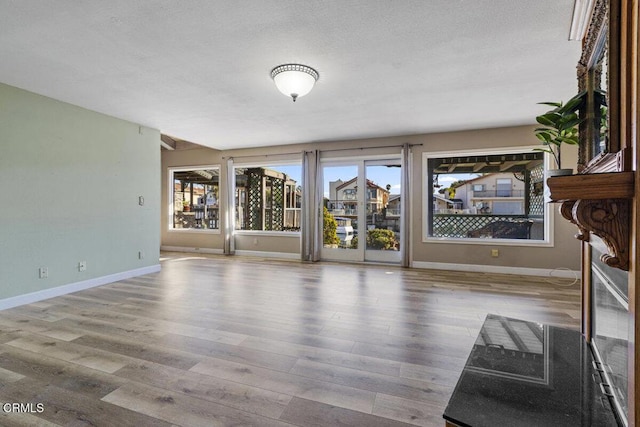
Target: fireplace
{"points": [[610, 327]]}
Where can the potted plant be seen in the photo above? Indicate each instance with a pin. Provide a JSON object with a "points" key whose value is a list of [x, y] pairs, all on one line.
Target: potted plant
{"points": [[185, 206], [560, 126]]}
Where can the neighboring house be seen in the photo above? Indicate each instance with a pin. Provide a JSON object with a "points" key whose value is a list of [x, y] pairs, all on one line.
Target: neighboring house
{"points": [[492, 193], [442, 204], [393, 206], [492, 205], [343, 198]]}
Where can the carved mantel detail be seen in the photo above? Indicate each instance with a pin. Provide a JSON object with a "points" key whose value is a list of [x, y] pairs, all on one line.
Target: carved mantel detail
{"points": [[607, 219], [566, 209], [598, 204]]}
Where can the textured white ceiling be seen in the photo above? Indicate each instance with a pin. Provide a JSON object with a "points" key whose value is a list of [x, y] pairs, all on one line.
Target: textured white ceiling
{"points": [[199, 69]]}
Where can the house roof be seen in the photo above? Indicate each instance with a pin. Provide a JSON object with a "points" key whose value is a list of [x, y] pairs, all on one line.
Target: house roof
{"points": [[370, 184], [200, 70], [448, 201]]}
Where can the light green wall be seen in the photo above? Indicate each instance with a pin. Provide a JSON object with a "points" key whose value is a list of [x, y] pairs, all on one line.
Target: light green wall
{"points": [[70, 180]]}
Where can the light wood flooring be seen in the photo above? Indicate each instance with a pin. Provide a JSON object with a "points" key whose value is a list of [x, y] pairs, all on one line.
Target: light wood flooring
{"points": [[229, 341]]}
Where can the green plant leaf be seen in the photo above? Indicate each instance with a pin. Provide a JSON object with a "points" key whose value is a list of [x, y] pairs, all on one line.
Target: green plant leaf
{"points": [[561, 125], [545, 129], [572, 105], [544, 150], [549, 119], [570, 122], [553, 104], [545, 137], [571, 140]]}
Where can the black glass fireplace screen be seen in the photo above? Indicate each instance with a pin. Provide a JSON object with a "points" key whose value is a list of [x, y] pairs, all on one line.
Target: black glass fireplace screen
{"points": [[611, 327]]}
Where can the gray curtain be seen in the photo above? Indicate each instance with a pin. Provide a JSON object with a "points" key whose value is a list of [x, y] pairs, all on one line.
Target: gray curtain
{"points": [[405, 207], [229, 216], [311, 240]]}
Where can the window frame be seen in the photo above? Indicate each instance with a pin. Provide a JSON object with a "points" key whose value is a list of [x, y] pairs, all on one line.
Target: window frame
{"points": [[232, 187], [547, 241], [498, 189], [171, 198]]}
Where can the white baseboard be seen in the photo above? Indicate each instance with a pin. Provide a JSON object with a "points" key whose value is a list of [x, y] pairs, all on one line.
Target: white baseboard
{"points": [[261, 254], [264, 254], [191, 250], [542, 272], [74, 287]]}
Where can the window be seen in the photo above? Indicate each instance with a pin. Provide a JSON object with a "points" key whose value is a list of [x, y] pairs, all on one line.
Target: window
{"points": [[503, 187], [194, 194], [508, 208], [268, 198], [492, 195], [350, 194]]}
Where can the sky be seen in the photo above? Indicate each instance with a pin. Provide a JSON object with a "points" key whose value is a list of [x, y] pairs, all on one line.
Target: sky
{"points": [[378, 174], [445, 180]]}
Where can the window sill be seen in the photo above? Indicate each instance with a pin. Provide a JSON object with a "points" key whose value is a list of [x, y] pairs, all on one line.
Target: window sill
{"points": [[194, 230], [490, 242], [267, 233]]}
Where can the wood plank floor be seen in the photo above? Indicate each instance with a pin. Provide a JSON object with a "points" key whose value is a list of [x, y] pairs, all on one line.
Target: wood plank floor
{"points": [[226, 341]]}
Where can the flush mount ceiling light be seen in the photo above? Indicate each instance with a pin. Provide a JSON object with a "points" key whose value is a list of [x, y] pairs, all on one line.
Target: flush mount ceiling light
{"points": [[294, 80]]}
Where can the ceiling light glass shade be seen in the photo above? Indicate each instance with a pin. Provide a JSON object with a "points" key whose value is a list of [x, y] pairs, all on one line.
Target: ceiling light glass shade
{"points": [[294, 80]]}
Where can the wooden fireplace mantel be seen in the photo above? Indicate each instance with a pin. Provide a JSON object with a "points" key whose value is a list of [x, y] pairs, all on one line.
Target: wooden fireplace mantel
{"points": [[600, 204]]}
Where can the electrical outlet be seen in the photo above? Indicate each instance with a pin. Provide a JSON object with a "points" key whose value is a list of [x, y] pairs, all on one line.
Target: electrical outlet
{"points": [[43, 272], [82, 266], [140, 255], [495, 253], [141, 200], [255, 241]]}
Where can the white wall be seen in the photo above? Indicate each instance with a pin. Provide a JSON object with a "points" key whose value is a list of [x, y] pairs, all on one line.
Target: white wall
{"points": [[70, 180]]}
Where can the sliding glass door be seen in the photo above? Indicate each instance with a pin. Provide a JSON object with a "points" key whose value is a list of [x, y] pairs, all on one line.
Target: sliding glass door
{"points": [[382, 201], [362, 220], [342, 212]]}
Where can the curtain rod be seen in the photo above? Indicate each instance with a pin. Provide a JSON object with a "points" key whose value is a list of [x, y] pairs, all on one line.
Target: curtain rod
{"points": [[262, 155], [323, 151], [368, 148]]}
